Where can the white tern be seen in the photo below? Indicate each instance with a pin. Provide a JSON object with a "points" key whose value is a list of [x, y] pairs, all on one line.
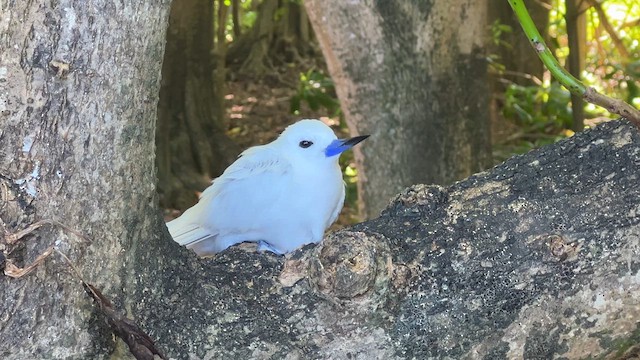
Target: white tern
{"points": [[281, 195]]}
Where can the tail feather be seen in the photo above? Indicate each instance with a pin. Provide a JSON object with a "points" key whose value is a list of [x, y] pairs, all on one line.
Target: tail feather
{"points": [[187, 233]]}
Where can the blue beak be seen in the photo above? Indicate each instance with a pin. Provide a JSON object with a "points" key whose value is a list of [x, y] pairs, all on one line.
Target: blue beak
{"points": [[339, 146]]}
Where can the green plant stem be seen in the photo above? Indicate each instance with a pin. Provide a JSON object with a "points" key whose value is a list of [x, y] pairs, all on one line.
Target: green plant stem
{"points": [[567, 80], [559, 73]]}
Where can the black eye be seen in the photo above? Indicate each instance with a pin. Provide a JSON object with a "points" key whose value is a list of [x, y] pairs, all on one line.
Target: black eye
{"points": [[305, 144]]}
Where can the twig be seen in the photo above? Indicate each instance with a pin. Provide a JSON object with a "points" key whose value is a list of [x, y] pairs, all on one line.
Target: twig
{"points": [[12, 238], [142, 347], [615, 106], [631, 23], [15, 272], [73, 268]]}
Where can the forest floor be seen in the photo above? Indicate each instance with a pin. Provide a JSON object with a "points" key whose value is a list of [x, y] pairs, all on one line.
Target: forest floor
{"points": [[258, 111]]}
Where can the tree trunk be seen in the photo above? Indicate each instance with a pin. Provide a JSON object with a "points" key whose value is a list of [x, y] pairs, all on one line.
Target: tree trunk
{"points": [[415, 78], [576, 22], [220, 72], [235, 18], [280, 35], [521, 65], [79, 84], [515, 53], [192, 144], [251, 50]]}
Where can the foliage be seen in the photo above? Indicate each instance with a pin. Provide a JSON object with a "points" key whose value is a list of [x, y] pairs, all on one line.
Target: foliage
{"points": [[542, 113], [498, 29], [248, 14], [536, 108], [316, 90], [350, 175]]}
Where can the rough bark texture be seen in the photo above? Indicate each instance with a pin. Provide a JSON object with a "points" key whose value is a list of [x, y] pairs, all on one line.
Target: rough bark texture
{"points": [[79, 84], [412, 74], [192, 144], [539, 257]]}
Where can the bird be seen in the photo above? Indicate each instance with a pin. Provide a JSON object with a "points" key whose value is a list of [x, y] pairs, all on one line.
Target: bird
{"points": [[281, 195]]}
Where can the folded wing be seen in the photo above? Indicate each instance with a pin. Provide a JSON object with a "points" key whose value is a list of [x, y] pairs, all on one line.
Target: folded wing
{"points": [[230, 210]]}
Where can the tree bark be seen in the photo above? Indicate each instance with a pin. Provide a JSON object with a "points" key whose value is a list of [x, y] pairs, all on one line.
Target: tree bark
{"points": [[536, 258], [79, 84], [192, 144], [415, 78], [576, 22]]}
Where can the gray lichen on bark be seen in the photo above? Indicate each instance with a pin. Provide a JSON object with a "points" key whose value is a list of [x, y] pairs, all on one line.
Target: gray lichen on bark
{"points": [[535, 258], [79, 85]]}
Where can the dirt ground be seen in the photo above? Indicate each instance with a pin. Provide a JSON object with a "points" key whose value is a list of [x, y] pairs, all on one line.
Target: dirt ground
{"points": [[259, 110]]}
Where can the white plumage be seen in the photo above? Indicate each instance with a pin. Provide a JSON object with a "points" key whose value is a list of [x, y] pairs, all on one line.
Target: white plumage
{"points": [[282, 195]]}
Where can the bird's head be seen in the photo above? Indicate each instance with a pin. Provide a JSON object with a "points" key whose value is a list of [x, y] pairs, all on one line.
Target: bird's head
{"points": [[312, 139]]}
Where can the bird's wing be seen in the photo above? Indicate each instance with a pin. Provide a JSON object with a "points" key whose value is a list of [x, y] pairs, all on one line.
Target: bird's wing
{"points": [[338, 207], [229, 210], [252, 163]]}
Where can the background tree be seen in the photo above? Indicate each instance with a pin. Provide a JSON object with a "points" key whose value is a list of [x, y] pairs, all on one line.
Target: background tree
{"points": [[192, 143], [511, 60], [511, 46], [576, 23], [280, 34], [415, 77]]}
